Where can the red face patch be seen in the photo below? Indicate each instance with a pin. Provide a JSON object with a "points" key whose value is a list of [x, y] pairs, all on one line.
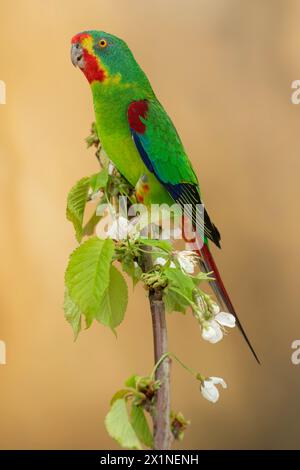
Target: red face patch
{"points": [[91, 69], [79, 37]]}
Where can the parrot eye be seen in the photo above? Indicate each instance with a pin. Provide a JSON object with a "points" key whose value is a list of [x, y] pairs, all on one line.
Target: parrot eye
{"points": [[102, 43]]}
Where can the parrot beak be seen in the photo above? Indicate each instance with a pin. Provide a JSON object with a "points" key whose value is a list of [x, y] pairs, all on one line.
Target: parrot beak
{"points": [[77, 55]]}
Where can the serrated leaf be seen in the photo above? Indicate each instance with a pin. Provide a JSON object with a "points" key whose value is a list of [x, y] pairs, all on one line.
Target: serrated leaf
{"points": [[76, 202], [99, 180], [140, 425], [114, 301], [162, 244], [174, 302], [72, 314], [119, 427], [87, 275], [179, 290], [181, 281]]}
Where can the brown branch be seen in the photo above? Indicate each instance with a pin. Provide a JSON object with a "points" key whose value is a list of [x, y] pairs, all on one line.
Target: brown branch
{"points": [[161, 412]]}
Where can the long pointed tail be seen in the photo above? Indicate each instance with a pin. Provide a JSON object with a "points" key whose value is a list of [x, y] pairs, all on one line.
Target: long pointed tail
{"points": [[209, 265]]}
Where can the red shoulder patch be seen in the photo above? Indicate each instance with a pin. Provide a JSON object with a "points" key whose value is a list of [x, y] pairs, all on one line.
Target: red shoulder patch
{"points": [[136, 110]]}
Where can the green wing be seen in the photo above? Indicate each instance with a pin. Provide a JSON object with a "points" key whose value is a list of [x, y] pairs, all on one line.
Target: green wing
{"points": [[160, 147]]}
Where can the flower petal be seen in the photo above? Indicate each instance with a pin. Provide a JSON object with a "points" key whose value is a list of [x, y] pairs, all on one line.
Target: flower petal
{"points": [[118, 229], [209, 391], [208, 332], [218, 381], [225, 319], [187, 260], [186, 265], [212, 332], [218, 336]]}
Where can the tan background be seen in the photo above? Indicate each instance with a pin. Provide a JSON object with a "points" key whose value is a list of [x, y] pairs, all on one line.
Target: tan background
{"points": [[223, 70]]}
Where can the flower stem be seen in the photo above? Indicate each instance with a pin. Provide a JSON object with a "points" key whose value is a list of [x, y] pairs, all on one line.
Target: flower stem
{"points": [[169, 354], [161, 413]]}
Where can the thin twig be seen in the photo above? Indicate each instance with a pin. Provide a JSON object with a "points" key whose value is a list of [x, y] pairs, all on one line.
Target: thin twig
{"points": [[161, 412]]}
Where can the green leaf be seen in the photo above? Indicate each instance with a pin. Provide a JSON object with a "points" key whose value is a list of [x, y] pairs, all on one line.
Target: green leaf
{"points": [[78, 196], [99, 180], [72, 314], [132, 381], [87, 275], [133, 270], [179, 290], [174, 302], [162, 244], [140, 425], [120, 394], [114, 301], [119, 427], [76, 202], [181, 281]]}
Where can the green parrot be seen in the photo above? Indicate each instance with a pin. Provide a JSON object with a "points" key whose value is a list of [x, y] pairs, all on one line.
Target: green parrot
{"points": [[140, 139]]}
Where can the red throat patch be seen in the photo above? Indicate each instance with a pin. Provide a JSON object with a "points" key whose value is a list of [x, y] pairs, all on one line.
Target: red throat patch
{"points": [[92, 70]]}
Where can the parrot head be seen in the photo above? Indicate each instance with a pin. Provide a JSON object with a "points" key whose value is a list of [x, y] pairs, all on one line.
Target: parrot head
{"points": [[104, 58]]}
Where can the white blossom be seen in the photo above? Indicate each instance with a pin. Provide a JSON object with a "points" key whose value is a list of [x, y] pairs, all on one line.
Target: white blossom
{"points": [[187, 261], [212, 330], [209, 390], [120, 229], [225, 319]]}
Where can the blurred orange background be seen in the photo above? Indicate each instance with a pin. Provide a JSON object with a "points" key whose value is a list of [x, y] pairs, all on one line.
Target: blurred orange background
{"points": [[223, 70]]}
